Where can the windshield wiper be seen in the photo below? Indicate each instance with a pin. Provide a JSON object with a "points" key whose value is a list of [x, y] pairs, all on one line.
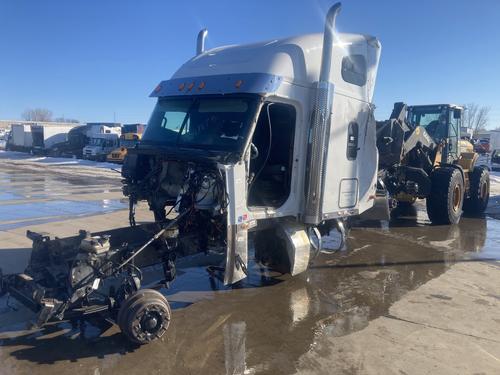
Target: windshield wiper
{"points": [[184, 122]]}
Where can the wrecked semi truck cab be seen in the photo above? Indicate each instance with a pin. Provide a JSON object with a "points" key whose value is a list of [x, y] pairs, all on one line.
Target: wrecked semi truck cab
{"points": [[274, 140]]}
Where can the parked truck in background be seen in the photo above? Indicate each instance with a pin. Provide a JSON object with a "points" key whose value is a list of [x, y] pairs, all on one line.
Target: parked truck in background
{"points": [[482, 146], [20, 138], [495, 149], [79, 137], [494, 140], [4, 137], [45, 136], [131, 135], [100, 145], [73, 147]]}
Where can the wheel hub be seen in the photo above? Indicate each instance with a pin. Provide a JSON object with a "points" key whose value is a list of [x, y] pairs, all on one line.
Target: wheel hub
{"points": [[150, 323]]}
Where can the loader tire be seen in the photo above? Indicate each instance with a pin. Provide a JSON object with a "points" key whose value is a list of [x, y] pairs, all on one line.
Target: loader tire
{"points": [[445, 201], [145, 316], [479, 194]]}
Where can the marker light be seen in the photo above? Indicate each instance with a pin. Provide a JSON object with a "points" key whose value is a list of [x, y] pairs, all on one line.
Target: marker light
{"points": [[238, 83], [181, 86], [201, 86], [158, 88], [190, 87]]}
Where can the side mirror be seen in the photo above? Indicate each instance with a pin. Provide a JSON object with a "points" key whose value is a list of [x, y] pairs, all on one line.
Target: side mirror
{"points": [[457, 113], [254, 151]]}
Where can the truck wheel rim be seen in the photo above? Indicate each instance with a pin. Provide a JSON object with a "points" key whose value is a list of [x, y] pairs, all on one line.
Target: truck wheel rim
{"points": [[457, 197], [151, 324]]}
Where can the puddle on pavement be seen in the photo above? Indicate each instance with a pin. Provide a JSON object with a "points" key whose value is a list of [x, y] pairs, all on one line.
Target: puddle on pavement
{"points": [[6, 196], [491, 248], [267, 322], [54, 209], [18, 185]]}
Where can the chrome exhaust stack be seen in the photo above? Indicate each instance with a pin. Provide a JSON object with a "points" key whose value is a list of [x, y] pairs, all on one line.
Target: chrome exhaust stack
{"points": [[328, 40], [200, 43], [320, 126]]}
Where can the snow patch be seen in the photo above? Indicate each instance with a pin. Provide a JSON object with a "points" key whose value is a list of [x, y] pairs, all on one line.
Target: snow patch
{"points": [[46, 160]]}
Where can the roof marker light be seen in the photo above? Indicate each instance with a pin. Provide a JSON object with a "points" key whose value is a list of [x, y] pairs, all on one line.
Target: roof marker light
{"points": [[158, 88], [181, 86], [201, 85], [190, 87], [238, 83]]}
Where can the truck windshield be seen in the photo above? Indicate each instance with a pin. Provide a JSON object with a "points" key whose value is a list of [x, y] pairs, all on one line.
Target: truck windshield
{"points": [[96, 141], [215, 123]]}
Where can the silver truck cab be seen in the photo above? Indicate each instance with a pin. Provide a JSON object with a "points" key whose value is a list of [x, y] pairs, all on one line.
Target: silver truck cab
{"points": [[275, 138]]}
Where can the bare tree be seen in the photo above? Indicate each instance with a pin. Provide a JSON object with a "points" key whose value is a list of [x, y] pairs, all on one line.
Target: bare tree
{"points": [[64, 119], [37, 114], [476, 117]]}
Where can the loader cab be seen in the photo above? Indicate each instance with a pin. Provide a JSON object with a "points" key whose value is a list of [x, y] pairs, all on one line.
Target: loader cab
{"points": [[442, 122]]}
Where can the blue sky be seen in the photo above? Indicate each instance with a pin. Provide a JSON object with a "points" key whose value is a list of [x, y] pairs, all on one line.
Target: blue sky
{"points": [[97, 60]]}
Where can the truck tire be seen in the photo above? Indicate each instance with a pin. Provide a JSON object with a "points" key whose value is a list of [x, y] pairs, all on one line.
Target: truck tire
{"points": [[479, 191], [124, 308], [145, 316], [445, 201]]}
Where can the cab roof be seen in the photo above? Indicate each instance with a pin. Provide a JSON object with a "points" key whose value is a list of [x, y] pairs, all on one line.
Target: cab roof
{"points": [[454, 106], [296, 60]]}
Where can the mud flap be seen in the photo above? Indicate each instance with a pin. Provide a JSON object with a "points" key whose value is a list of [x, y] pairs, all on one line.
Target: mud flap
{"points": [[237, 224]]}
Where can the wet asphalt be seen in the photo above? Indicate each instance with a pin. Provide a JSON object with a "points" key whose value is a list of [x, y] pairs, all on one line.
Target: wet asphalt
{"points": [[263, 325], [27, 197]]}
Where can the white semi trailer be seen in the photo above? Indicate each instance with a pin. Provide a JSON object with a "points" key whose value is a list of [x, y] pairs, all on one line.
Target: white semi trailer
{"points": [[44, 136], [20, 138]]}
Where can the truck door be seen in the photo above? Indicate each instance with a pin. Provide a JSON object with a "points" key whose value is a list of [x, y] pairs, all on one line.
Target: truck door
{"points": [[351, 162]]}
